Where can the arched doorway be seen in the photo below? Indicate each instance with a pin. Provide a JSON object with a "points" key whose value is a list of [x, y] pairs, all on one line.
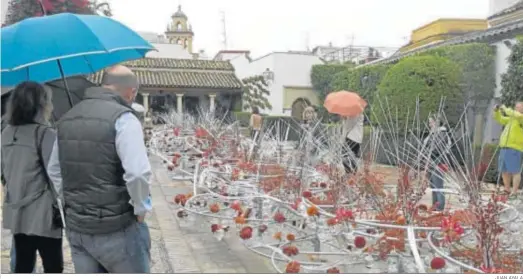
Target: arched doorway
{"points": [[298, 107]]}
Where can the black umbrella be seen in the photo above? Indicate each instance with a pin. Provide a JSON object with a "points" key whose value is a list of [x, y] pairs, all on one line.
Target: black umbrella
{"points": [[75, 85]]}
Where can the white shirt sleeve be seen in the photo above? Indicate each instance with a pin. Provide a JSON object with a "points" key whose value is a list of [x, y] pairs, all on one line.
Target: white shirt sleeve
{"points": [[131, 149]]}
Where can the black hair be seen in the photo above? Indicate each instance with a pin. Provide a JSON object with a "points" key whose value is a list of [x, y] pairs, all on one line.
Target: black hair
{"points": [[27, 101], [255, 110]]}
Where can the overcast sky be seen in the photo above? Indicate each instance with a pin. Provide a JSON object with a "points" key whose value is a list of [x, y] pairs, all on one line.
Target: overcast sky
{"points": [[281, 25]]}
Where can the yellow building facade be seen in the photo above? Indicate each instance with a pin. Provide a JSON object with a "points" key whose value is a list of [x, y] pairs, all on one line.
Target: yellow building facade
{"points": [[441, 30]]}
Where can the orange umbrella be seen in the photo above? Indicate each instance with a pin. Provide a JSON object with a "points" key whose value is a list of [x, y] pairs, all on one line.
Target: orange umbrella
{"points": [[345, 103]]}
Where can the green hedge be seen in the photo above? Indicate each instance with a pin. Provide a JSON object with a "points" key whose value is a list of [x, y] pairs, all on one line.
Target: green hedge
{"points": [[476, 63], [428, 78], [322, 77], [512, 80], [477, 66]]}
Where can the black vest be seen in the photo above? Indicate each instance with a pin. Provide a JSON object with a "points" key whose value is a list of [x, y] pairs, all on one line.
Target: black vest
{"points": [[95, 193]]}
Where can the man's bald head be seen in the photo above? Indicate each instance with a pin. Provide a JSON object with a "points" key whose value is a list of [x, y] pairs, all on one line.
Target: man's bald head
{"points": [[122, 80]]}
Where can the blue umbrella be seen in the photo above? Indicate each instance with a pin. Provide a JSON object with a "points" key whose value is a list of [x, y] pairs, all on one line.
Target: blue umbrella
{"points": [[48, 48]]}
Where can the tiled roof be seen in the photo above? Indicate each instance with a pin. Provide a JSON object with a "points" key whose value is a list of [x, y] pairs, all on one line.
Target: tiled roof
{"points": [[182, 79], [171, 63], [477, 36], [517, 6]]}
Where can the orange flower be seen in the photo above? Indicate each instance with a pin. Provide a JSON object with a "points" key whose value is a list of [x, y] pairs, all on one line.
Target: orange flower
{"points": [[312, 211], [291, 237], [277, 235], [240, 220], [401, 220]]}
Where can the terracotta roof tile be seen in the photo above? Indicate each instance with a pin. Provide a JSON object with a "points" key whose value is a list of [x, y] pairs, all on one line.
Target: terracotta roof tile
{"points": [[182, 79], [170, 63]]}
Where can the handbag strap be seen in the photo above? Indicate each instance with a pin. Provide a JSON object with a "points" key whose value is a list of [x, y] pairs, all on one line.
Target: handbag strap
{"points": [[38, 143]]}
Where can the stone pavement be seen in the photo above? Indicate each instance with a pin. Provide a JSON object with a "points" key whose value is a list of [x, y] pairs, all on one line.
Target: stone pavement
{"points": [[177, 246]]}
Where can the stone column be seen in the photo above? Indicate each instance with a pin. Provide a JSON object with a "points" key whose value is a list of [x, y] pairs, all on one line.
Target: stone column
{"points": [[211, 102], [179, 104], [145, 102]]}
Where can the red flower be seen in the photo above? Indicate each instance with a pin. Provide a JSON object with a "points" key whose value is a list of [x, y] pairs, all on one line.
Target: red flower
{"points": [[333, 270], [307, 194], [246, 233], [48, 6], [235, 205], [360, 242], [437, 263], [279, 217], [293, 267]]}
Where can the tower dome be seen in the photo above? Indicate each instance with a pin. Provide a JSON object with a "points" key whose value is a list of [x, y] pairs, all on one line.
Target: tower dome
{"points": [[179, 13]]}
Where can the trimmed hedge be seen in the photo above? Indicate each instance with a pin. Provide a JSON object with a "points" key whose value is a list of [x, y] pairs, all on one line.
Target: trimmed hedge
{"points": [[476, 63], [478, 70], [512, 80], [428, 78]]}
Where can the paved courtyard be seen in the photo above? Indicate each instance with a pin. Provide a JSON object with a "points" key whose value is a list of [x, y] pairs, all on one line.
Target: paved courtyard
{"points": [[177, 246]]}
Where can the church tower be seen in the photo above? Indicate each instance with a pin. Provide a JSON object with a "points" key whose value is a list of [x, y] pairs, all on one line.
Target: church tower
{"points": [[179, 31]]}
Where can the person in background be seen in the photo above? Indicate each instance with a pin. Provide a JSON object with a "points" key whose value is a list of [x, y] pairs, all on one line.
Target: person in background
{"points": [[353, 131], [255, 122], [439, 144], [511, 146], [28, 210], [309, 115], [100, 163]]}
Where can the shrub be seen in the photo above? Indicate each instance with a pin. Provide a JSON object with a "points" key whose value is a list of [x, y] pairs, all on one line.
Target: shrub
{"points": [[477, 66], [243, 117], [489, 157], [321, 79], [512, 80], [428, 78], [255, 93]]}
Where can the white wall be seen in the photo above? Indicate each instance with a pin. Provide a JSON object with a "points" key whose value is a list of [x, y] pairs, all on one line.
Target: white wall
{"points": [[498, 5], [290, 70], [169, 51], [3, 10], [492, 128]]}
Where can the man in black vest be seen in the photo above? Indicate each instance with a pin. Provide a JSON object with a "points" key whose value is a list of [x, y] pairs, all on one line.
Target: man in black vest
{"points": [[100, 163]]}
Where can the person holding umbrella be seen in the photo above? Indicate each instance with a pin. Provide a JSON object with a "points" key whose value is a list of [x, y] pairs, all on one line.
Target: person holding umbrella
{"points": [[353, 131], [100, 162], [350, 107]]}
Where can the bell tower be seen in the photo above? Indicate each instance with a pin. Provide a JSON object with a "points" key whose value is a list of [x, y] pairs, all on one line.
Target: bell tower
{"points": [[179, 31]]}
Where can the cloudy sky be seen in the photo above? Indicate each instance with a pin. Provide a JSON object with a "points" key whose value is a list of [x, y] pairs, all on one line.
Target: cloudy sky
{"points": [[281, 25]]}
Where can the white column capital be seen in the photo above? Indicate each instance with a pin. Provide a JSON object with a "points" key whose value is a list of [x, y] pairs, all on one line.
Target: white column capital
{"points": [[180, 95], [145, 94], [213, 95]]}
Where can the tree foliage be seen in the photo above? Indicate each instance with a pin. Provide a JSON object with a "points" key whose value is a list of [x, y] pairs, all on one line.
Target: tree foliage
{"points": [[477, 66], [362, 80], [255, 93], [429, 78], [19, 10], [512, 80], [322, 76]]}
